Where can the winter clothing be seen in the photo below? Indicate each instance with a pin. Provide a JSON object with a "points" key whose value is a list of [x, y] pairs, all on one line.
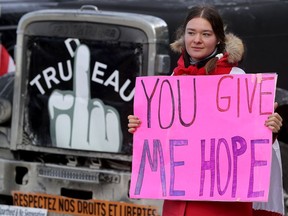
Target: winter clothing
{"points": [[206, 208], [225, 64], [233, 53]]}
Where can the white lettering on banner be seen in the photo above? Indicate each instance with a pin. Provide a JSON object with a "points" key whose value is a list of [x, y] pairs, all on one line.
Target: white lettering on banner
{"points": [[90, 123], [68, 42], [49, 75]]}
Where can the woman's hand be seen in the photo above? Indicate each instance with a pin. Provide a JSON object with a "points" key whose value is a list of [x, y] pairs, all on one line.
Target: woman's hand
{"points": [[274, 121], [133, 124]]}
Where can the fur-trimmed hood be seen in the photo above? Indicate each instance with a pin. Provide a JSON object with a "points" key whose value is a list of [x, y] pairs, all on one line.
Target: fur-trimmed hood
{"points": [[234, 47]]}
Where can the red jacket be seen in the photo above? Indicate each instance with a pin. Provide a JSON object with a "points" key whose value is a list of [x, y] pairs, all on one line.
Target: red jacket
{"points": [[206, 208]]}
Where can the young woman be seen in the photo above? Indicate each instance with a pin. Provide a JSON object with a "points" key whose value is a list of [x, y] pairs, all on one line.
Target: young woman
{"points": [[206, 50]]}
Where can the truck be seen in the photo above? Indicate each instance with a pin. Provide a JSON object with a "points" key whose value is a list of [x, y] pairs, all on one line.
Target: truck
{"points": [[56, 154], [73, 90]]}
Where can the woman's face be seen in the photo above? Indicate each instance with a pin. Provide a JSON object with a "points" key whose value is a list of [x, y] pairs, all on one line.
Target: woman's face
{"points": [[200, 39]]}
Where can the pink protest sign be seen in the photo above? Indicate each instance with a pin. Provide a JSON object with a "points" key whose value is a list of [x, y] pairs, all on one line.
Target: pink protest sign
{"points": [[203, 137]]}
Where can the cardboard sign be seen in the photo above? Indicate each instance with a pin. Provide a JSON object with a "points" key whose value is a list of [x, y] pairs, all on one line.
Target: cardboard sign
{"points": [[203, 137]]}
